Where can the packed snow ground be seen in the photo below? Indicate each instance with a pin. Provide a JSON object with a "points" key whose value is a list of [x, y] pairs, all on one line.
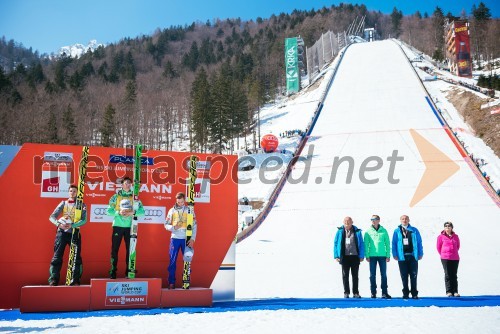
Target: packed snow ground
{"points": [[374, 101], [381, 320]]}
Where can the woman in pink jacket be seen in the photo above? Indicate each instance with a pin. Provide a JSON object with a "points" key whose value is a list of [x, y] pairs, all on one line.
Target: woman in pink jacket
{"points": [[448, 244]]}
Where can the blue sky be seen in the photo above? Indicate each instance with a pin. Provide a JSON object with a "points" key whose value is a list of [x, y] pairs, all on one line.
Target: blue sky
{"points": [[46, 25]]}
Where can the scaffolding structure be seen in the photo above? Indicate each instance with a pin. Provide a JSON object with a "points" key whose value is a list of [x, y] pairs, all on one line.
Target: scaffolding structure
{"points": [[329, 45], [321, 53]]}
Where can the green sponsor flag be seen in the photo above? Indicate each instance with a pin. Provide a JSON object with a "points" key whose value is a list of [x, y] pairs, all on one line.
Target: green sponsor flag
{"points": [[291, 65]]}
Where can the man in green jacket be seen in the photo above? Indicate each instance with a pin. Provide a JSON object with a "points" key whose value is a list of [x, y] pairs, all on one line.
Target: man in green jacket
{"points": [[121, 207], [377, 250]]}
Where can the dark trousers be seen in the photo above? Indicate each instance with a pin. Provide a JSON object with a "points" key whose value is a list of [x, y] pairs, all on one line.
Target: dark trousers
{"points": [[119, 233], [409, 267], [450, 275], [373, 274], [62, 240], [350, 262], [175, 246]]}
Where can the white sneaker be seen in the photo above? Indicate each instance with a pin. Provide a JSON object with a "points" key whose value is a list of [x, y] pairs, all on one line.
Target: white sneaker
{"points": [[457, 294], [449, 294]]}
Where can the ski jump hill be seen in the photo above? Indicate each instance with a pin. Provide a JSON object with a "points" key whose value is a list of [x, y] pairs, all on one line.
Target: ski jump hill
{"points": [[378, 147]]}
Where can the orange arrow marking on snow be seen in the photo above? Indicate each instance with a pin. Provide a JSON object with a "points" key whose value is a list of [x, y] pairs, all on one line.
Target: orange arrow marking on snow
{"points": [[438, 167]]}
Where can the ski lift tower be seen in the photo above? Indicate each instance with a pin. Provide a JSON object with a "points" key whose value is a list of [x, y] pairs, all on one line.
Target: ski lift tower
{"points": [[369, 34]]}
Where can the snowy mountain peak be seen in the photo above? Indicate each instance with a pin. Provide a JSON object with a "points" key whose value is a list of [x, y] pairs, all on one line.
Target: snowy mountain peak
{"points": [[77, 50]]}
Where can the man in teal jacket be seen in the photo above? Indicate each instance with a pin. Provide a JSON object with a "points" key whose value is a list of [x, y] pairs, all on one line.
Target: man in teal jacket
{"points": [[407, 250], [377, 250], [121, 208]]}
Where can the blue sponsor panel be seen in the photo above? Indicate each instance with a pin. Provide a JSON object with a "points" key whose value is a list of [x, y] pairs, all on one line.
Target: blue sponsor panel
{"points": [[129, 160], [126, 288], [7, 155]]}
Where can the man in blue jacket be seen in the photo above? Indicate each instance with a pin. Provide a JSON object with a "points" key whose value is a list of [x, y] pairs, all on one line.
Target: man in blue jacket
{"points": [[349, 251], [407, 250]]}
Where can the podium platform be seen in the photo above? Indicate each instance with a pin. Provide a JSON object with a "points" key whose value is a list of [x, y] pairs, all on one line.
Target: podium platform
{"points": [[45, 298], [186, 298], [109, 294]]}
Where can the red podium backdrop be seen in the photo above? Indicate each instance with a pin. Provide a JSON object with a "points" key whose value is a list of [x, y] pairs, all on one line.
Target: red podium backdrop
{"points": [[38, 178]]}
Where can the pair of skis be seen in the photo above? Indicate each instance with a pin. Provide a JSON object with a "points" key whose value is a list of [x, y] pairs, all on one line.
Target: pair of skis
{"points": [[188, 251], [75, 234], [135, 223]]}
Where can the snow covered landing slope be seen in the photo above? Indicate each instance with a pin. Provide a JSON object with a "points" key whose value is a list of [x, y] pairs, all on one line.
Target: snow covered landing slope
{"points": [[375, 115]]}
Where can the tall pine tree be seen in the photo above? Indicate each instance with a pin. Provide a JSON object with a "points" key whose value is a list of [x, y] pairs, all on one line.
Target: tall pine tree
{"points": [[130, 117], [108, 128], [69, 126], [238, 102], [51, 128], [438, 32], [169, 71], [201, 104], [480, 15], [220, 125], [60, 75], [191, 59], [396, 18]]}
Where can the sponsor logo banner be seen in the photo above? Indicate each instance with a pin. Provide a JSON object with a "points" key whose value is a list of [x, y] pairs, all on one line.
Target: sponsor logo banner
{"points": [[462, 49], [161, 197], [93, 195], [153, 214], [201, 190], [57, 156], [129, 160], [291, 65], [126, 293], [55, 184], [115, 187], [203, 165]]}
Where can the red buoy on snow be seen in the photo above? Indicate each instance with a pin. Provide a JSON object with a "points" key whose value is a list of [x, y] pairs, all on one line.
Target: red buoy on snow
{"points": [[269, 143]]}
